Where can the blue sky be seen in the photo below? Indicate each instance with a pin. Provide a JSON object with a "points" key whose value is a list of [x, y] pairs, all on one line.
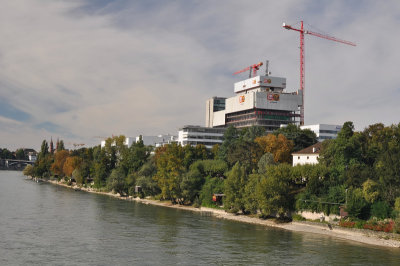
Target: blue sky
{"points": [[78, 69]]}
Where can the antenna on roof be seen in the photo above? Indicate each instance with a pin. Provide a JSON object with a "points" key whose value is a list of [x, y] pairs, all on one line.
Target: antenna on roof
{"points": [[267, 73]]}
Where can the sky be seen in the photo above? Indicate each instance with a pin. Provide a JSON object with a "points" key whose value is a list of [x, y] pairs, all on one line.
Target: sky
{"points": [[80, 70]]}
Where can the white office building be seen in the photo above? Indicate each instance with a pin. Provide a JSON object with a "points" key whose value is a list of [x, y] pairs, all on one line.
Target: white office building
{"points": [[324, 131], [259, 101], [194, 135]]}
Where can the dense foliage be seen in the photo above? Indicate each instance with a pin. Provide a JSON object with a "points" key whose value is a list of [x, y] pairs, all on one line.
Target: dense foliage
{"points": [[250, 169]]}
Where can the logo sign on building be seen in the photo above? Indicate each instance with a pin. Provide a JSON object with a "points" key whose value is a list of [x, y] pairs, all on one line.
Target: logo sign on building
{"points": [[267, 81], [273, 97], [241, 99]]}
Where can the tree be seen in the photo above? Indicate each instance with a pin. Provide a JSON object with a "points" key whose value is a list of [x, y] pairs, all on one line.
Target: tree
{"points": [[114, 149], [370, 191], [246, 152], [234, 187], [20, 154], [251, 199], [77, 175], [302, 138], [134, 157], [357, 206], [70, 164], [116, 181], [60, 146], [275, 191], [191, 185], [279, 146], [58, 164], [28, 170], [266, 160], [170, 171], [212, 185], [6, 154], [230, 137], [44, 150], [251, 133]]}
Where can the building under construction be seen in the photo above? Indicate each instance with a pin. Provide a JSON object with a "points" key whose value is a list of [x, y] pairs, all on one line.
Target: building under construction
{"points": [[260, 100]]}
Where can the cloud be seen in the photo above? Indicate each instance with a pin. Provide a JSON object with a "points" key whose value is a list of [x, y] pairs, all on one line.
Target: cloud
{"points": [[7, 110], [88, 68]]}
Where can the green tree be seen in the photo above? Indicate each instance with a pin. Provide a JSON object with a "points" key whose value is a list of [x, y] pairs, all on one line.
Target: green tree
{"points": [[247, 153], [116, 181], [77, 175], [60, 146], [302, 138], [20, 154], [191, 185], [212, 185], [134, 157], [44, 149], [266, 160], [357, 206], [251, 199], [251, 133], [370, 191], [28, 170], [234, 187], [231, 135], [170, 170], [275, 191]]}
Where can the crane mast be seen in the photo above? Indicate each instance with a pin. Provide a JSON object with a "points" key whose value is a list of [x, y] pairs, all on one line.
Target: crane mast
{"points": [[302, 57]]}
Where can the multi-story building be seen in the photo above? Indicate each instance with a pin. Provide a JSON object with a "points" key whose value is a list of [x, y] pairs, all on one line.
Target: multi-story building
{"points": [[193, 135], [324, 131], [259, 101], [214, 104]]}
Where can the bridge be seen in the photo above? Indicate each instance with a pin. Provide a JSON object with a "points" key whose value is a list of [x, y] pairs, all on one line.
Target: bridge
{"points": [[13, 164]]}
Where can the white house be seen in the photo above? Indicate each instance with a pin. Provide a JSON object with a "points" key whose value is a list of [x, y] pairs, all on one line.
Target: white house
{"points": [[308, 155]]}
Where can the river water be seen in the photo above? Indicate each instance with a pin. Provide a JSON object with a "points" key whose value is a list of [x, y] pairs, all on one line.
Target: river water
{"points": [[43, 224]]}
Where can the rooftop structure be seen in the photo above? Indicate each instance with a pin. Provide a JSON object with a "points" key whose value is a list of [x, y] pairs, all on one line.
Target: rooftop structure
{"points": [[259, 101]]}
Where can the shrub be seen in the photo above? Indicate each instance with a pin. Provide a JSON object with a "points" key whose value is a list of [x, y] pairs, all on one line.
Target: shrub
{"points": [[380, 210], [298, 217], [347, 223]]}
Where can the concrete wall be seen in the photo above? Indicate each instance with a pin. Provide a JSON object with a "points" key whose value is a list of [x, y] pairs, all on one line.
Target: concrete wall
{"points": [[318, 216]]}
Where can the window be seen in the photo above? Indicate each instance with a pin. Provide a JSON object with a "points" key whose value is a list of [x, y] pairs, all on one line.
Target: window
{"points": [[298, 157], [308, 157]]}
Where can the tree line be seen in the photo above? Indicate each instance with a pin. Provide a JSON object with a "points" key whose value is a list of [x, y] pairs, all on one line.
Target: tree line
{"points": [[250, 168]]}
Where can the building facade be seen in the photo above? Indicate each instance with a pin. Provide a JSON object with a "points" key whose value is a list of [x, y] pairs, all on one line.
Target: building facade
{"points": [[308, 155], [214, 104], [194, 135], [324, 131], [259, 101]]}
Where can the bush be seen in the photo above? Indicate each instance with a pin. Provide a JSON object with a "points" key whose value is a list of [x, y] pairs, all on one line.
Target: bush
{"points": [[357, 206], [298, 217], [211, 186], [380, 210]]}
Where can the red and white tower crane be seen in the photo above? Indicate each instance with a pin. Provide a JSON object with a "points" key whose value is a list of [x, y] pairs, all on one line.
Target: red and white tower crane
{"points": [[254, 67], [302, 32]]}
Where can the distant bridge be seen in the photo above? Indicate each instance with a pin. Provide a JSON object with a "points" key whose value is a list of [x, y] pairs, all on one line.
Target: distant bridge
{"points": [[13, 164]]}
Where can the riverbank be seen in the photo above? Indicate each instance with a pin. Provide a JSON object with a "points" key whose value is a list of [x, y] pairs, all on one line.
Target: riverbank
{"points": [[357, 235]]}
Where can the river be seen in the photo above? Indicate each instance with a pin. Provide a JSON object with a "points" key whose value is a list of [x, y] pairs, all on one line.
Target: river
{"points": [[44, 224]]}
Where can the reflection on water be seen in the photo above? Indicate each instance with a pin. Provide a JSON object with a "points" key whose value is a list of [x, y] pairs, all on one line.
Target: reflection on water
{"points": [[45, 224]]}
